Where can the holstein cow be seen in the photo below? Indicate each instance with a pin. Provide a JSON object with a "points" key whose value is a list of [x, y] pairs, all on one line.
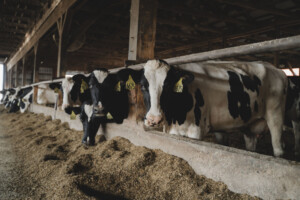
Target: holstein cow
{"points": [[22, 100], [111, 96], [75, 90], [13, 102], [220, 97], [7, 97], [48, 93]]}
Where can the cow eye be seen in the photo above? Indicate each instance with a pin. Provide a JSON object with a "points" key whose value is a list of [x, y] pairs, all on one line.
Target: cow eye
{"points": [[143, 88]]}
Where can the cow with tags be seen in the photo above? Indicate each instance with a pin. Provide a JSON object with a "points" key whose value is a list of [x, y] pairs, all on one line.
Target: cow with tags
{"points": [[48, 93], [111, 95], [197, 98]]}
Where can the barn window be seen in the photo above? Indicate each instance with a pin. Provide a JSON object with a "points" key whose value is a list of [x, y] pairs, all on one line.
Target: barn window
{"points": [[289, 72]]}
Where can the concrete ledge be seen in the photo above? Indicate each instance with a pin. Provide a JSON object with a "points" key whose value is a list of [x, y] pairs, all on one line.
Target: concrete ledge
{"points": [[244, 172]]}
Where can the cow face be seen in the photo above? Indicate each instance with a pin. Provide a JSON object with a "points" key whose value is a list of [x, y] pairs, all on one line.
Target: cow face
{"points": [[66, 87], [129, 79], [75, 90], [97, 78], [25, 99], [163, 85]]}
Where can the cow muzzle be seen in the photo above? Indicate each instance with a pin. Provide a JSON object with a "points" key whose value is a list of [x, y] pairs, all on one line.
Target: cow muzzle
{"points": [[153, 121], [98, 111]]}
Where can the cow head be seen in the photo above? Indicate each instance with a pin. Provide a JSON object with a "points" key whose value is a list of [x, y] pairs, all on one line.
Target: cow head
{"points": [[14, 100], [25, 98], [165, 92], [75, 89], [293, 97], [97, 78], [129, 79]]}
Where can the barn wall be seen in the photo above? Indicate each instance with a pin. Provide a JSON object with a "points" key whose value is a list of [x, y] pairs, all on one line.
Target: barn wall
{"points": [[244, 172]]}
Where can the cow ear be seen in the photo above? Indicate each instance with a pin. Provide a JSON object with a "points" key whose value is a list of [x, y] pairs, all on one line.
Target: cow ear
{"points": [[188, 77]]}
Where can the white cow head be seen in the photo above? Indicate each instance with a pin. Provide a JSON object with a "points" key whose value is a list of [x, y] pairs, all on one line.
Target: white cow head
{"points": [[155, 73]]}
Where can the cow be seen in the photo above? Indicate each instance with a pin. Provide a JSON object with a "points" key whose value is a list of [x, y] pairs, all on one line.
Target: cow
{"points": [[198, 98], [7, 97], [111, 96], [25, 98], [21, 100], [13, 101], [75, 90], [48, 93]]}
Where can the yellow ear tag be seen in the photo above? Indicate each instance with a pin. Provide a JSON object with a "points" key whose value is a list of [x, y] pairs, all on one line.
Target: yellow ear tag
{"points": [[73, 116], [118, 87], [19, 103], [130, 84], [109, 116], [84, 86], [178, 87], [56, 90]]}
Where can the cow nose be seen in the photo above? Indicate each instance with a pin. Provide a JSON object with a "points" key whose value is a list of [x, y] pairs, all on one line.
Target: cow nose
{"points": [[152, 120], [98, 111]]}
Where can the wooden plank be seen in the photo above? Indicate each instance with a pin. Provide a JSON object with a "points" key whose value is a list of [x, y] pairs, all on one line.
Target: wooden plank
{"points": [[50, 17], [133, 32], [146, 29]]}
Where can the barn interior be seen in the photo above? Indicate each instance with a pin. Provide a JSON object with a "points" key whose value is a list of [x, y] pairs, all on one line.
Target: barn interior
{"points": [[89, 34]]}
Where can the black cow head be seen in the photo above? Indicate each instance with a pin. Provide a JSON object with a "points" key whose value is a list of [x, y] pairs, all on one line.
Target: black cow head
{"points": [[109, 96], [55, 86], [165, 89], [129, 79], [75, 89]]}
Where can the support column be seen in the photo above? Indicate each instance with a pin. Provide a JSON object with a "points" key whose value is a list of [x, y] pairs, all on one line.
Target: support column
{"points": [[60, 27], [23, 71], [16, 74], [35, 74], [142, 29]]}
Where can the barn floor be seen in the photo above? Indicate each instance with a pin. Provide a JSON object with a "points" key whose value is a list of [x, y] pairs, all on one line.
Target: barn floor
{"points": [[43, 159]]}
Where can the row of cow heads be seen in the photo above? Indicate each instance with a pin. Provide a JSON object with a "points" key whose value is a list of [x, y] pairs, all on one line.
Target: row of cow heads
{"points": [[163, 87]]}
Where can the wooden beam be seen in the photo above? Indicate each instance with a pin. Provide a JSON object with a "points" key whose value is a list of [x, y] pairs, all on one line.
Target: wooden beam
{"points": [[249, 6], [146, 29], [133, 32], [228, 37], [23, 70], [35, 74], [50, 17]]}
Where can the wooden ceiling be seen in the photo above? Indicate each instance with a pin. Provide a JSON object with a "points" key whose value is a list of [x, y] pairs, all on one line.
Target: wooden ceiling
{"points": [[16, 18], [96, 31]]}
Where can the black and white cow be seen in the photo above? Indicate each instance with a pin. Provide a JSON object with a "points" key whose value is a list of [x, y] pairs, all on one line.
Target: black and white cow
{"points": [[22, 100], [75, 90], [13, 102], [111, 95], [25, 98], [198, 98], [7, 99], [48, 93]]}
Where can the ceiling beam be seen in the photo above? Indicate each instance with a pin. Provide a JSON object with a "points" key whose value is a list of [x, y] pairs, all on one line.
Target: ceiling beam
{"points": [[49, 18], [267, 9]]}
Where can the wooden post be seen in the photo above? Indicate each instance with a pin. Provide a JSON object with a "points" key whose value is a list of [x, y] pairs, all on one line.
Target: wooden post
{"points": [[60, 27], [35, 74], [23, 71], [133, 32], [142, 29], [276, 59], [16, 74], [147, 29]]}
